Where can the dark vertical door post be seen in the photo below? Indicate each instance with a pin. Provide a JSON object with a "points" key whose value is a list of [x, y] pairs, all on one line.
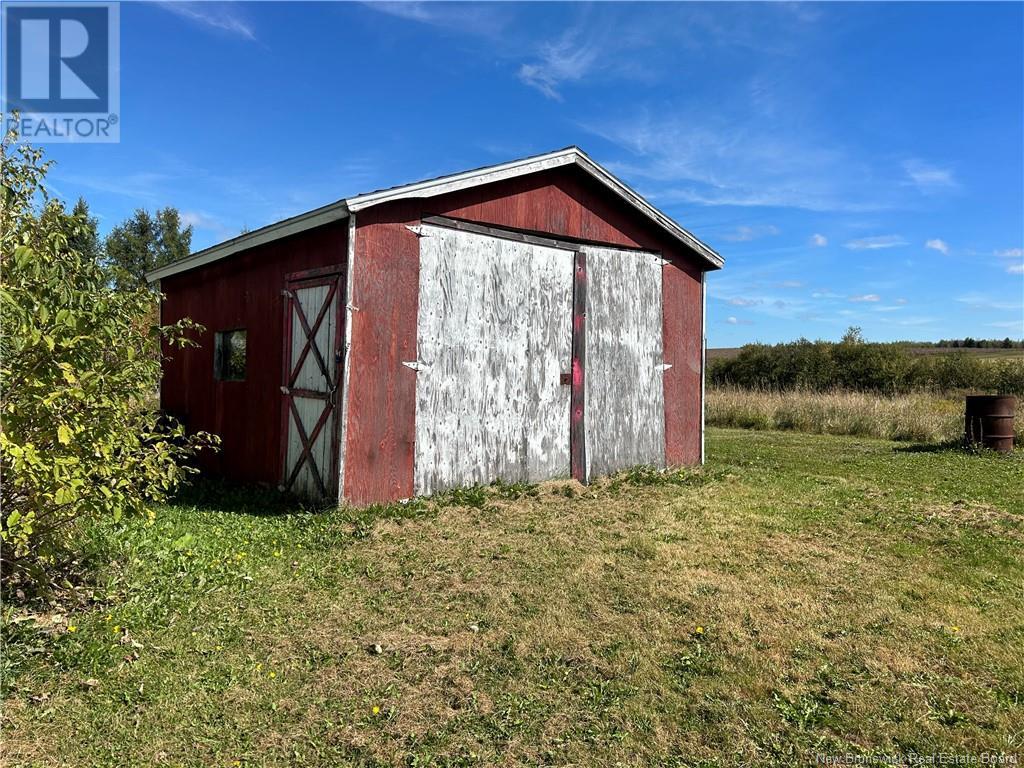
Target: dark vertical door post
{"points": [[577, 423]]}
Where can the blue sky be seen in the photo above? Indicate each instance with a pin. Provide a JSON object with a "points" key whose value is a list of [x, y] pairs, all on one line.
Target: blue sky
{"points": [[857, 164]]}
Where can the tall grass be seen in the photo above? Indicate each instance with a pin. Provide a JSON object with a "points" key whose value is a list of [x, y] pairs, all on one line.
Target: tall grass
{"points": [[919, 417]]}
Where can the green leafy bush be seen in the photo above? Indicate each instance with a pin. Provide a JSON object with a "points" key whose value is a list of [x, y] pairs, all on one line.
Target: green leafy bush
{"points": [[859, 366], [80, 437]]}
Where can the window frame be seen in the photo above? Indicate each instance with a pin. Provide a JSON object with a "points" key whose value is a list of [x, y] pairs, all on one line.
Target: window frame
{"points": [[221, 354]]}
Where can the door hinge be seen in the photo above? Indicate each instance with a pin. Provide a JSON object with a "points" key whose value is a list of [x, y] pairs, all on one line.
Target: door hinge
{"points": [[665, 366], [416, 365]]}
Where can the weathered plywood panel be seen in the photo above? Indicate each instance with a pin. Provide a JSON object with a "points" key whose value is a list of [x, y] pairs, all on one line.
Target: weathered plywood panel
{"points": [[493, 334], [624, 404], [305, 484], [563, 202], [312, 299]]}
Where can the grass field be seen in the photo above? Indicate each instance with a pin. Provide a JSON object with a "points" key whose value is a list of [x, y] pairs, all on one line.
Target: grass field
{"points": [[920, 417], [800, 594]]}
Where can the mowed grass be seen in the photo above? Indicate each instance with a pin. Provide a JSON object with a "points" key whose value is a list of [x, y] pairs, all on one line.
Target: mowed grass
{"points": [[800, 594]]}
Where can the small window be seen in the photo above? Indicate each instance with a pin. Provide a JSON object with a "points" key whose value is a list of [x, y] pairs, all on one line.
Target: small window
{"points": [[229, 355]]}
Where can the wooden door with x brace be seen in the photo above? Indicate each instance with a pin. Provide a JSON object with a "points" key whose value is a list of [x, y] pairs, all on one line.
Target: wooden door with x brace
{"points": [[312, 374]]}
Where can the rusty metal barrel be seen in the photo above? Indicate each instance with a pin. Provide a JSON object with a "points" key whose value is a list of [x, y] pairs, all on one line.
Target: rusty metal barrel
{"points": [[988, 421]]}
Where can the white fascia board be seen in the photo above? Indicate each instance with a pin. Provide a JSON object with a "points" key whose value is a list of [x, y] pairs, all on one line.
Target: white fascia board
{"points": [[648, 210], [446, 184], [325, 215], [569, 156]]}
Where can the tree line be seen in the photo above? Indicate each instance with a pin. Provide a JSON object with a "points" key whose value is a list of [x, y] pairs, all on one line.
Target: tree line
{"points": [[969, 343], [855, 364], [137, 245]]}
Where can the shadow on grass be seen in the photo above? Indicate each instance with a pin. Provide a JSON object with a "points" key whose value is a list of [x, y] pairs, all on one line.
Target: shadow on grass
{"points": [[217, 495], [958, 446], [949, 446]]}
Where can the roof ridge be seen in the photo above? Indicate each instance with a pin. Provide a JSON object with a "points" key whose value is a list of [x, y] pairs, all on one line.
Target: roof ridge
{"points": [[438, 185]]}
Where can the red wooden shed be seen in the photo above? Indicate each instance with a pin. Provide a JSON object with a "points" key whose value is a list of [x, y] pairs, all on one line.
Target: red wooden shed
{"points": [[523, 321]]}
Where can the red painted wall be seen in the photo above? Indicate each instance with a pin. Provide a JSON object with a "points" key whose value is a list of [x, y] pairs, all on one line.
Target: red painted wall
{"points": [[565, 202], [241, 291]]}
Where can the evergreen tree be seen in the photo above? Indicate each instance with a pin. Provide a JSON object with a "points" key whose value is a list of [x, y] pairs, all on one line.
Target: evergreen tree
{"points": [[86, 238], [143, 243]]}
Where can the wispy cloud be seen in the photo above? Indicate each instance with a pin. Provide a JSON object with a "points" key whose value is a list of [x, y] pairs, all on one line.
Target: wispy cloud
{"points": [[937, 245], [874, 243], [144, 186], [731, 320], [741, 302], [1017, 325], [609, 41], [207, 221], [567, 59], [412, 11], [928, 178], [745, 234], [219, 16], [1016, 255], [741, 161], [819, 241], [981, 301], [484, 19], [870, 297]]}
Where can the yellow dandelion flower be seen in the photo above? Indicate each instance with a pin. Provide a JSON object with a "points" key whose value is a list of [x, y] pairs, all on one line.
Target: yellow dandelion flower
{"points": [[272, 675], [72, 628], [699, 630], [376, 710]]}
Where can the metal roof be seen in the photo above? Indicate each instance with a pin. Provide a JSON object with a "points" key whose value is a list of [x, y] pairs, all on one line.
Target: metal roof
{"points": [[439, 186]]}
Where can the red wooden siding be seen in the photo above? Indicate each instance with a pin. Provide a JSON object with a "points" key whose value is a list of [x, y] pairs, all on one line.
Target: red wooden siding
{"points": [[243, 291], [681, 328], [565, 202], [382, 391]]}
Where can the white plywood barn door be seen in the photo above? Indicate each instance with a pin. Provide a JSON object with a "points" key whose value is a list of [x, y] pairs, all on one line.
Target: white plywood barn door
{"points": [[494, 336], [311, 386], [624, 394]]}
